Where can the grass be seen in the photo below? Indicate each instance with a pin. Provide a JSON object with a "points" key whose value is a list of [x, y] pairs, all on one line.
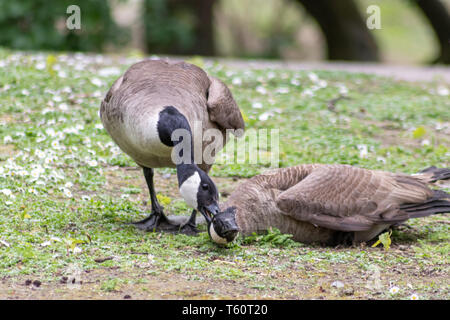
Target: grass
{"points": [[67, 192]]}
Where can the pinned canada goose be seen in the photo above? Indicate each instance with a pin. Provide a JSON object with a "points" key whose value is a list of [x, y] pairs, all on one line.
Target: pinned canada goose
{"points": [[331, 204], [142, 110]]}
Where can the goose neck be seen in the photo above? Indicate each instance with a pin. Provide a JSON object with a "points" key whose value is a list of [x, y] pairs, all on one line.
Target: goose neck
{"points": [[185, 171]]}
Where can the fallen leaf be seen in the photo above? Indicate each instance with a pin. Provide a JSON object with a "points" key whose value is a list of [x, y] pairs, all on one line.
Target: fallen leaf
{"points": [[419, 132], [384, 239]]}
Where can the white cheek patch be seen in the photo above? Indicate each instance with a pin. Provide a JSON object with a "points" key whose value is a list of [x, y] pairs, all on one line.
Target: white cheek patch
{"points": [[189, 190], [215, 237]]}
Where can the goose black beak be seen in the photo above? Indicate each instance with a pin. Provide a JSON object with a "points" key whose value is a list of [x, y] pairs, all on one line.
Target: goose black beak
{"points": [[230, 235], [209, 211], [225, 225]]}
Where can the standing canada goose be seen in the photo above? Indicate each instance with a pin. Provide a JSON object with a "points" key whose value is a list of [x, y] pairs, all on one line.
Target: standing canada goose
{"points": [[330, 204], [142, 110]]}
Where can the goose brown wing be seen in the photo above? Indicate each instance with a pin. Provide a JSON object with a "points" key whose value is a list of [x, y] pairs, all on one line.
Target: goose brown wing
{"points": [[348, 198], [222, 107]]}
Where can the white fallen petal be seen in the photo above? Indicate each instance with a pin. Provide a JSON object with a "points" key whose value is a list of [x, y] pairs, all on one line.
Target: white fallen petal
{"points": [[68, 185], [45, 244], [97, 82], [63, 107], [343, 89], [313, 77], [6, 192], [394, 290], [67, 193], [322, 83], [381, 159], [363, 150], [237, 81], [257, 105], [77, 250], [282, 90], [6, 244], [93, 163], [337, 284], [40, 65], [56, 239], [106, 72], [295, 82], [261, 90], [264, 116], [308, 92], [442, 91]]}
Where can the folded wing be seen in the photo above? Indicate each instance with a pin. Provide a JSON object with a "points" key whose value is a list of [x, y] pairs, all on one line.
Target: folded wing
{"points": [[346, 198]]}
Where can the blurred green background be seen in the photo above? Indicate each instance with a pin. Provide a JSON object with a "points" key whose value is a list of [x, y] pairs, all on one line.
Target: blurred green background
{"points": [[412, 31]]}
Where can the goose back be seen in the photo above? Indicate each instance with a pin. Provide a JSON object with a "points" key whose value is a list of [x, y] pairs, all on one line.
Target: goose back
{"points": [[131, 108], [257, 210]]}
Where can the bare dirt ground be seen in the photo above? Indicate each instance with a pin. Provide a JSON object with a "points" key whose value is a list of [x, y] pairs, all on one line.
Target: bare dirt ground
{"points": [[139, 284], [172, 285]]}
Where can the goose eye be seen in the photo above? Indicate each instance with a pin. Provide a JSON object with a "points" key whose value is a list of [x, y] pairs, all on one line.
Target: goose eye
{"points": [[205, 186]]}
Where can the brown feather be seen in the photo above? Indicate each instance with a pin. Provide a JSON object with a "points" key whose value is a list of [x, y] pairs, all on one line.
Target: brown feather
{"points": [[313, 202], [222, 108]]}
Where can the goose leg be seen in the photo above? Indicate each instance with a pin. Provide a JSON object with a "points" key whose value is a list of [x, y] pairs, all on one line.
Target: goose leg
{"points": [[189, 227], [157, 220], [342, 239]]}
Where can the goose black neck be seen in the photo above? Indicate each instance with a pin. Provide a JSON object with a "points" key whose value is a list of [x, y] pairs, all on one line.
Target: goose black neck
{"points": [[170, 120], [185, 171]]}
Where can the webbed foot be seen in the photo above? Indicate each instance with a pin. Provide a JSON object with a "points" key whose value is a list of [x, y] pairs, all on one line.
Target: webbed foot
{"points": [[156, 222], [159, 222], [189, 229]]}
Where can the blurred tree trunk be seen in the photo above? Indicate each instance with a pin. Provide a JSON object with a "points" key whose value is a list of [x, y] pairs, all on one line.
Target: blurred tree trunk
{"points": [[346, 33], [179, 26], [439, 18], [203, 25]]}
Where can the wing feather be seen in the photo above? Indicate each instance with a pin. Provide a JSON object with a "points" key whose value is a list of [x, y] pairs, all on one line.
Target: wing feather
{"points": [[222, 107], [347, 198]]}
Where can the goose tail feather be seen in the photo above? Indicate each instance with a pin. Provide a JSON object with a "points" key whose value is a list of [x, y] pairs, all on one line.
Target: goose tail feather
{"points": [[438, 203], [434, 174]]}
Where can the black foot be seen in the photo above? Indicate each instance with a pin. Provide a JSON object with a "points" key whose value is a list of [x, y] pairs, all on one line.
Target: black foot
{"points": [[342, 239], [159, 222], [156, 222], [189, 229]]}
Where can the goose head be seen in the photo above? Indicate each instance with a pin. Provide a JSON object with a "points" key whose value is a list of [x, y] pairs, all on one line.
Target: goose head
{"points": [[223, 228], [199, 191]]}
